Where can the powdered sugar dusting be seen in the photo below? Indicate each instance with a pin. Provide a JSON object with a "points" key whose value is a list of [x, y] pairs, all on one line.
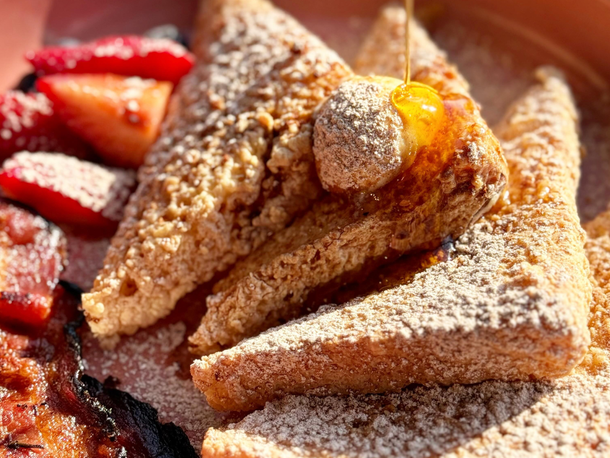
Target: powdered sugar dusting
{"points": [[494, 312], [97, 188], [141, 365], [118, 47], [569, 417], [20, 110], [357, 137], [86, 253], [232, 165], [563, 422]]}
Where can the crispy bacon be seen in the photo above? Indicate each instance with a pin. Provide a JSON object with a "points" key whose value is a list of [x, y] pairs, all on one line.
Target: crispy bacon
{"points": [[32, 255], [48, 408]]}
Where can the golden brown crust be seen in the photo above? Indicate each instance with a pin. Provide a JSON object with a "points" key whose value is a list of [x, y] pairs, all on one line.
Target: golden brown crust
{"points": [[568, 417], [511, 304], [450, 184], [232, 166], [597, 359]]}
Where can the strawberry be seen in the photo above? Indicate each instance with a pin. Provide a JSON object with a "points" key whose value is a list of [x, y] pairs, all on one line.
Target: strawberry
{"points": [[120, 116], [67, 190], [131, 55], [28, 122]]}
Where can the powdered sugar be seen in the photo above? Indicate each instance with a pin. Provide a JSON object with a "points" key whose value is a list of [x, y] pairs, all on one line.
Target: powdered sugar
{"points": [[97, 188], [141, 366]]}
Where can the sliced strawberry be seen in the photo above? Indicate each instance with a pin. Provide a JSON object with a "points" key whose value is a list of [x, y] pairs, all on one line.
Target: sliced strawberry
{"points": [[29, 123], [32, 255], [130, 55], [67, 190], [119, 116]]}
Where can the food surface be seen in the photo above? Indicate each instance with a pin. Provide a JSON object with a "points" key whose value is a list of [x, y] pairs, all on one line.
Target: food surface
{"points": [[32, 255], [29, 123], [33, 391], [67, 189], [47, 407], [364, 138], [302, 199], [493, 312], [119, 115], [131, 55], [358, 137], [568, 417], [450, 184], [232, 166]]}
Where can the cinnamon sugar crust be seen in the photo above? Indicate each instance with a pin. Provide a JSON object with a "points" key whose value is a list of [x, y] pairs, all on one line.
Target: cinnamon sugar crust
{"points": [[450, 184], [511, 304], [232, 165], [567, 417]]}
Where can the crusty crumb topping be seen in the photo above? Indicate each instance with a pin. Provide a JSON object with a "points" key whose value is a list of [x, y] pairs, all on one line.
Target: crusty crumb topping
{"points": [[567, 417], [232, 165]]}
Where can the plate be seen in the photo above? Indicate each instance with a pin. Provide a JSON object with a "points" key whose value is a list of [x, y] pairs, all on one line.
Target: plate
{"points": [[496, 45]]}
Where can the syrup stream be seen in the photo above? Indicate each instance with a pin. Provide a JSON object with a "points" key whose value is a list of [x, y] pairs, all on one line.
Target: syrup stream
{"points": [[409, 8]]}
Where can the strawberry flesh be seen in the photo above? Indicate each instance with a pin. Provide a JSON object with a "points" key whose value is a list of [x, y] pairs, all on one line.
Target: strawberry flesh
{"points": [[67, 190], [119, 116], [32, 255], [130, 55], [29, 123]]}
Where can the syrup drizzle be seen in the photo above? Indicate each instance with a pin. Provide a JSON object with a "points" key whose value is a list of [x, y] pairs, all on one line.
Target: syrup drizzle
{"points": [[409, 7], [419, 105]]}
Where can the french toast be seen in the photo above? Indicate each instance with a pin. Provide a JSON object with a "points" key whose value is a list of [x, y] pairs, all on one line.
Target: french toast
{"points": [[232, 165], [450, 184], [511, 304], [568, 417]]}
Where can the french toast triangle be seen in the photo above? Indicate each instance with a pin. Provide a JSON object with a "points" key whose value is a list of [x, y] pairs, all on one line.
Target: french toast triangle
{"points": [[232, 165], [511, 304], [450, 184], [567, 417]]}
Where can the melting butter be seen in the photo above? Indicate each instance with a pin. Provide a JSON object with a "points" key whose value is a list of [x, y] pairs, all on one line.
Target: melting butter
{"points": [[422, 112]]}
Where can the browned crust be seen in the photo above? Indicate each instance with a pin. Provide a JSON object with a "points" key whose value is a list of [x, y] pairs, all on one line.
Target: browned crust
{"points": [[597, 360], [440, 195], [232, 166], [569, 417], [511, 305]]}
